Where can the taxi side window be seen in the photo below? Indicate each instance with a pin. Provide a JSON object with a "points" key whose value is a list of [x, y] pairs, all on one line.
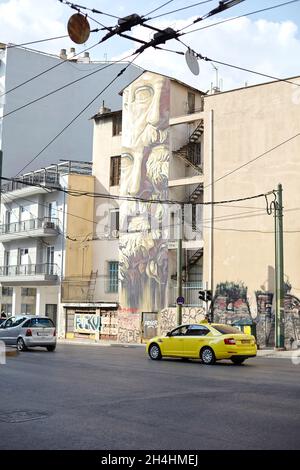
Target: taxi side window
{"points": [[197, 330], [180, 331]]}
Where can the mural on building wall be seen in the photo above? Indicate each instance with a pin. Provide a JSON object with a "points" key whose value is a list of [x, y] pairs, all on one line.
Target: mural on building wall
{"points": [[231, 305], [230, 302], [143, 249]]}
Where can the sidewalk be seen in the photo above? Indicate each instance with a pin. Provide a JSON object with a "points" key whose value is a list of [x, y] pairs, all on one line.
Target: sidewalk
{"points": [[102, 343], [278, 354]]}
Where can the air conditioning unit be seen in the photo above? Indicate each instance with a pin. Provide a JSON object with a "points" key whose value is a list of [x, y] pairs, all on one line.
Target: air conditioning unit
{"points": [[48, 224]]}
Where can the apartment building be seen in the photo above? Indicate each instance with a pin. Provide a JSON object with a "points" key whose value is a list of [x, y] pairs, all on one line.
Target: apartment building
{"points": [[151, 149], [182, 147], [38, 123], [38, 226], [251, 145]]}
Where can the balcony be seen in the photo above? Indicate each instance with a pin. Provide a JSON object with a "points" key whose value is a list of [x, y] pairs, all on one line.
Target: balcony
{"points": [[33, 183], [29, 273], [42, 227], [190, 293]]}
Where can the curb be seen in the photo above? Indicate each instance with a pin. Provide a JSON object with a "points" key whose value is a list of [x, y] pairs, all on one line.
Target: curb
{"points": [[11, 352], [100, 344]]}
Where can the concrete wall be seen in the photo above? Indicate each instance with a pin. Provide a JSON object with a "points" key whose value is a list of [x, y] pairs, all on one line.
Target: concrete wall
{"points": [[247, 123], [37, 124]]}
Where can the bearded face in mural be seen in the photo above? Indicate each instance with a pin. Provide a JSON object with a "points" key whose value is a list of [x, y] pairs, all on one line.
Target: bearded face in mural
{"points": [[144, 175]]}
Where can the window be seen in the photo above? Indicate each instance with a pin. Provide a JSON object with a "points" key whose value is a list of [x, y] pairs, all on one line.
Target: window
{"points": [[114, 223], [14, 321], [226, 329], [113, 274], [28, 309], [115, 170], [117, 124], [191, 102], [28, 292], [7, 291], [6, 308], [181, 331], [50, 260], [38, 322], [197, 330]]}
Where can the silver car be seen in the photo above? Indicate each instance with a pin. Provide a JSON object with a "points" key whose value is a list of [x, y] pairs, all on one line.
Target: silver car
{"points": [[28, 331]]}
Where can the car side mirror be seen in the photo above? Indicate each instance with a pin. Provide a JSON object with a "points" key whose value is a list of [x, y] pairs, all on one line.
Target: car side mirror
{"points": [[169, 333]]}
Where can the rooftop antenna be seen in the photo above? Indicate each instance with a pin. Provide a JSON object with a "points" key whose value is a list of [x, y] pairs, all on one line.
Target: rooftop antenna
{"points": [[216, 88]]}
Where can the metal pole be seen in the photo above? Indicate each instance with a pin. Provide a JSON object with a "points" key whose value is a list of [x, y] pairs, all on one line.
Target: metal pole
{"points": [[179, 267], [276, 277], [280, 296]]}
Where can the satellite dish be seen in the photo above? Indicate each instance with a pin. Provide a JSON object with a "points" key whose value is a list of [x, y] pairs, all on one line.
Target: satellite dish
{"points": [[79, 28], [192, 62]]}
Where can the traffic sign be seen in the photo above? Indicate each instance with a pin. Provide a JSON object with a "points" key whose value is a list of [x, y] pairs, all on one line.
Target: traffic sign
{"points": [[180, 300]]}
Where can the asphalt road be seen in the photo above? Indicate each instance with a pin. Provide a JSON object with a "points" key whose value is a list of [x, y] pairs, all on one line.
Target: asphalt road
{"points": [[116, 398]]}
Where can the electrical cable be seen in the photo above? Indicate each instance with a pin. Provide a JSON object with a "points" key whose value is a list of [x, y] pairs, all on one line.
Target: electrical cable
{"points": [[93, 10], [158, 8], [179, 9], [267, 152], [11, 46], [80, 113], [47, 70], [77, 193], [110, 64], [208, 59], [241, 16]]}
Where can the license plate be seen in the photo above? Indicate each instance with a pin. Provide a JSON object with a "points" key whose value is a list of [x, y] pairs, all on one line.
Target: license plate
{"points": [[42, 334], [245, 341]]}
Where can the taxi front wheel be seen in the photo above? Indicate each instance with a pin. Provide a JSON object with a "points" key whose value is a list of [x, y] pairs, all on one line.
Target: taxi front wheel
{"points": [[154, 352], [207, 356]]}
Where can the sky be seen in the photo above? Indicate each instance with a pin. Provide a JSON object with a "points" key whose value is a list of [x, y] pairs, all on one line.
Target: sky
{"points": [[268, 42]]}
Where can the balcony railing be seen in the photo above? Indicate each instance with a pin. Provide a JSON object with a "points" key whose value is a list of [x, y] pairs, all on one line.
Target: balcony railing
{"points": [[190, 292], [27, 225], [49, 269], [49, 176]]}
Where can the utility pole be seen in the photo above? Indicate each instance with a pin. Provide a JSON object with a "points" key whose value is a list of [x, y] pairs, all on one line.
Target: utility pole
{"points": [[179, 266], [279, 272]]}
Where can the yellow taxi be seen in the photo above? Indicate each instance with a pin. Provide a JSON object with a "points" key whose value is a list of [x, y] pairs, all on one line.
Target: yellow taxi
{"points": [[210, 342]]}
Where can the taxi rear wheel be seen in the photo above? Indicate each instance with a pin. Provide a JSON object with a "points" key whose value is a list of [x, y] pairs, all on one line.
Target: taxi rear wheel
{"points": [[154, 352], [207, 356]]}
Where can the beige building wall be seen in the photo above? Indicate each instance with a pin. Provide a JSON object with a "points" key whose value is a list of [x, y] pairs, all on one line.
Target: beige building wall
{"points": [[106, 247], [247, 123], [78, 245]]}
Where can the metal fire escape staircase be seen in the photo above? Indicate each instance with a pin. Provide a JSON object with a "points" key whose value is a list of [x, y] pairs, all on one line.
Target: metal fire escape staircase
{"points": [[92, 285], [188, 152]]}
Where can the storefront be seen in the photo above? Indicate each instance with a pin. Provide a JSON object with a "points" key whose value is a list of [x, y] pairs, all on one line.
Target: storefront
{"points": [[91, 321]]}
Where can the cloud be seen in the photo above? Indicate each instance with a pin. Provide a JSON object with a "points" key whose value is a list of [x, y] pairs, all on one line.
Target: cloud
{"points": [[265, 46]]}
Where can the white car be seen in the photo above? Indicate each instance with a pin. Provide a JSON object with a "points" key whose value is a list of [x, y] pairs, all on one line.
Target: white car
{"points": [[28, 331]]}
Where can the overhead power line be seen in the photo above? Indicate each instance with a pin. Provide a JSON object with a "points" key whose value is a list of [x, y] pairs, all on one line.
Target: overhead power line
{"points": [[82, 7], [255, 72], [47, 70], [267, 152], [179, 9], [78, 115], [241, 16], [11, 46], [79, 193], [56, 90], [158, 8]]}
